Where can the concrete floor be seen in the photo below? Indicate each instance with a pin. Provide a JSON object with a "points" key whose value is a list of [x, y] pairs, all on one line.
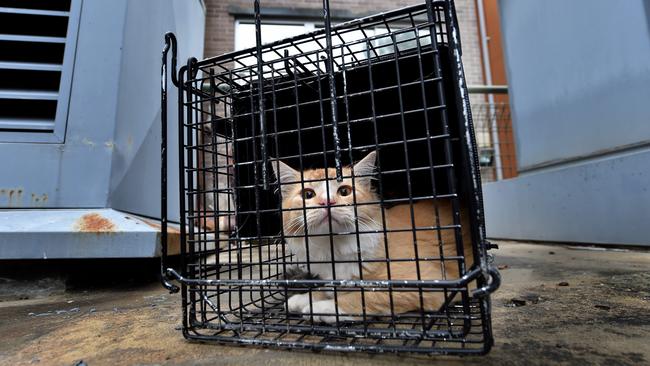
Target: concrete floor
{"points": [[600, 316]]}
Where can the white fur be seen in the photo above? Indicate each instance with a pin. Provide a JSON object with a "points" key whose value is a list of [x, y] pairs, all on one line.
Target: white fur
{"points": [[322, 310], [322, 219], [344, 248], [298, 302]]}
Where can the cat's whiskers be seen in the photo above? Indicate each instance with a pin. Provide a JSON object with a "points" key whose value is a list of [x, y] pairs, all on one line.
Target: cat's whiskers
{"points": [[294, 225], [368, 222], [314, 220]]}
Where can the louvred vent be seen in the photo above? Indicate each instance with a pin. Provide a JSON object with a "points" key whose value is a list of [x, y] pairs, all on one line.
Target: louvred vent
{"points": [[32, 62]]}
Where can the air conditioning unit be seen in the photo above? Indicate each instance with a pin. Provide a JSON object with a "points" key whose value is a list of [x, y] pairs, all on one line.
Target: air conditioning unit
{"points": [[80, 124]]}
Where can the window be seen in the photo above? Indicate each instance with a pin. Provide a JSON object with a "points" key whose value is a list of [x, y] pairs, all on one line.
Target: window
{"points": [[380, 38], [245, 32]]}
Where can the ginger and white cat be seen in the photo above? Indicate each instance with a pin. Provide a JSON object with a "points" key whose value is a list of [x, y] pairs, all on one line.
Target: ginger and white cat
{"points": [[329, 211], [216, 208]]}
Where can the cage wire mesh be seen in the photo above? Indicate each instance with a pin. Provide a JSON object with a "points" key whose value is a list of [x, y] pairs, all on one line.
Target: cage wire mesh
{"points": [[330, 191], [495, 139]]}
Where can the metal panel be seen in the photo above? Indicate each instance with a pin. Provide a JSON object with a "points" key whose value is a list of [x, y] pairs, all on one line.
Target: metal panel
{"points": [[13, 37], [578, 72], [579, 77], [76, 173], [112, 143], [32, 124], [30, 66], [31, 95], [605, 201], [103, 233], [135, 169]]}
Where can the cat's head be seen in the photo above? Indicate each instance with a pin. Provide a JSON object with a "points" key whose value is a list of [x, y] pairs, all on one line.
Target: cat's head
{"points": [[324, 199]]}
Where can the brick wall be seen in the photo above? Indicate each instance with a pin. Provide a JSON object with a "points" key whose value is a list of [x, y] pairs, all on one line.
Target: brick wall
{"points": [[220, 24]]}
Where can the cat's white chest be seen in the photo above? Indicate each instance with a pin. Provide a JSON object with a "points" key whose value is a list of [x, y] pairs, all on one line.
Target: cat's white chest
{"points": [[344, 264]]}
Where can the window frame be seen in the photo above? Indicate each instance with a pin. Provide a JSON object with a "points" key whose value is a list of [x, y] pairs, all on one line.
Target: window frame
{"points": [[308, 25]]}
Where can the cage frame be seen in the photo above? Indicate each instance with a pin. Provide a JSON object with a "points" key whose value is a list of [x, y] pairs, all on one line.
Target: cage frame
{"points": [[485, 275]]}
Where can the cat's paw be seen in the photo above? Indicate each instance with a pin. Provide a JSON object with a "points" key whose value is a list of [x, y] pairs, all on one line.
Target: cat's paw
{"points": [[298, 302], [325, 312]]}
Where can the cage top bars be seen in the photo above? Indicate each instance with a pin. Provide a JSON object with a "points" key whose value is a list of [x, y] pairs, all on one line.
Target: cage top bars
{"points": [[330, 75]]}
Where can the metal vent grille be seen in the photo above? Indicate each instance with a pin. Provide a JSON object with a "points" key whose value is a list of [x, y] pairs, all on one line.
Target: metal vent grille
{"points": [[37, 39]]}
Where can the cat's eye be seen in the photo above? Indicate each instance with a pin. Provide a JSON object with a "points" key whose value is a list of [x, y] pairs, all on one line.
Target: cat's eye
{"points": [[345, 191], [308, 193]]}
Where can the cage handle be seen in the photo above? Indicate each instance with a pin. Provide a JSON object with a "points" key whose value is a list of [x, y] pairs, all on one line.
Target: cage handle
{"points": [[170, 43], [298, 64]]}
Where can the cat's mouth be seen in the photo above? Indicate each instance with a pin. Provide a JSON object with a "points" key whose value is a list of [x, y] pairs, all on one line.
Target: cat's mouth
{"points": [[324, 217]]}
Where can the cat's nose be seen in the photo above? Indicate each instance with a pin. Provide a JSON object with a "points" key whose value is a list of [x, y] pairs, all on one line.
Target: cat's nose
{"points": [[326, 202]]}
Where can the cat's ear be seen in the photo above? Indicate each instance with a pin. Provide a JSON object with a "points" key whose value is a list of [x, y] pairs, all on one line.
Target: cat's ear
{"points": [[285, 174], [366, 167]]}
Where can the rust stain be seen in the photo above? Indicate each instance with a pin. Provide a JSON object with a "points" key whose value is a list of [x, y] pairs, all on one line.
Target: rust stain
{"points": [[94, 222], [88, 142], [173, 243], [129, 143], [39, 200], [173, 237], [14, 196]]}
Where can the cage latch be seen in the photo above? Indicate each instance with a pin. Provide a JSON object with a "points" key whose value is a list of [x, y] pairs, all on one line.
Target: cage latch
{"points": [[489, 245], [299, 65]]}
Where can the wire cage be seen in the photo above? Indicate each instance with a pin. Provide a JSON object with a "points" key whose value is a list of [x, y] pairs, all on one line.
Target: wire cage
{"points": [[330, 190]]}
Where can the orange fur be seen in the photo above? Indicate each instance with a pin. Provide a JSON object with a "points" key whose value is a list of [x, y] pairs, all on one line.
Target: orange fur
{"points": [[401, 246]]}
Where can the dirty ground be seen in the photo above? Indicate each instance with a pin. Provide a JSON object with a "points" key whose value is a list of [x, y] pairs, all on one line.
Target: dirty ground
{"points": [[557, 305]]}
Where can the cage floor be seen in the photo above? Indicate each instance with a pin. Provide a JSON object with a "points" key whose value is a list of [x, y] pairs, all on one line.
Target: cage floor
{"points": [[405, 334], [249, 314]]}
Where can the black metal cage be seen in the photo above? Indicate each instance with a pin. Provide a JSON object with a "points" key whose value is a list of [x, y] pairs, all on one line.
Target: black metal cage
{"points": [[330, 190]]}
